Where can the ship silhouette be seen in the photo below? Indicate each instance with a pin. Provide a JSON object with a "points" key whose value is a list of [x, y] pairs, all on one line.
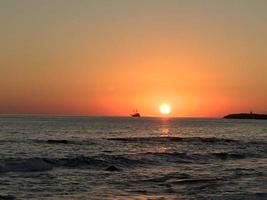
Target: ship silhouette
{"points": [[135, 113]]}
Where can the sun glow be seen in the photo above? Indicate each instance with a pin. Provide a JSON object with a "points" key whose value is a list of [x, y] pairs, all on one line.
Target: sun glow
{"points": [[165, 109]]}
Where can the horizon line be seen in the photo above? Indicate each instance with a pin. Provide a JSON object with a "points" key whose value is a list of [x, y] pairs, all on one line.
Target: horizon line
{"points": [[88, 115]]}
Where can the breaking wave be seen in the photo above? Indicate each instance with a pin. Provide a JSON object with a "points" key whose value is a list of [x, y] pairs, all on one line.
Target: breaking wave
{"points": [[44, 164], [123, 161]]}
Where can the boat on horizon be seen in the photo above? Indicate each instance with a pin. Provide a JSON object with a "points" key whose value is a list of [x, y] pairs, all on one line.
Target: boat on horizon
{"points": [[135, 113]]}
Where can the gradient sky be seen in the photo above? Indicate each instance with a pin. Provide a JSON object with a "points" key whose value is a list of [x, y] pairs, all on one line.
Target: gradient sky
{"points": [[105, 57]]}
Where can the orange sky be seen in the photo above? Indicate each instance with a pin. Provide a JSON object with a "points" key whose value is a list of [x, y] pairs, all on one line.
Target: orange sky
{"points": [[98, 57]]}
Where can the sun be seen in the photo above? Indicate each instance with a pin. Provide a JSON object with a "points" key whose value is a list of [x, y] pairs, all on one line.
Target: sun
{"points": [[165, 109]]}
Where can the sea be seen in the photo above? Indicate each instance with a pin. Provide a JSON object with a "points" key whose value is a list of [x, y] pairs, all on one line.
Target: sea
{"points": [[79, 158]]}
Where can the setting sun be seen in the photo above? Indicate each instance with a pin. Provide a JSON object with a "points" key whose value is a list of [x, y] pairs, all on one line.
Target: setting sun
{"points": [[165, 109]]}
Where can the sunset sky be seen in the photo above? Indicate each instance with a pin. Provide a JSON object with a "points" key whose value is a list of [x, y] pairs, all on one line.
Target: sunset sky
{"points": [[205, 58]]}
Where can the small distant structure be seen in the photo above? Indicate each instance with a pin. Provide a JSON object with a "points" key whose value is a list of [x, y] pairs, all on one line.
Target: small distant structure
{"points": [[135, 113]]}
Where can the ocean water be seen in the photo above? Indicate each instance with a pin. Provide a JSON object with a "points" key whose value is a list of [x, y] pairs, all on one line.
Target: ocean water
{"points": [[153, 158]]}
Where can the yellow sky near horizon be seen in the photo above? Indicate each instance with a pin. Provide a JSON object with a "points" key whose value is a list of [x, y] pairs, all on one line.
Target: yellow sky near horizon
{"points": [[205, 58]]}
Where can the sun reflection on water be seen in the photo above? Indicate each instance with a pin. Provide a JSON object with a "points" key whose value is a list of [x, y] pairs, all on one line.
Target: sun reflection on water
{"points": [[164, 131], [162, 149]]}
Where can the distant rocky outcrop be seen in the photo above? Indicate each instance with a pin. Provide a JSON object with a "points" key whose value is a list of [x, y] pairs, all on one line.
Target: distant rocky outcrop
{"points": [[57, 141], [112, 169], [246, 116]]}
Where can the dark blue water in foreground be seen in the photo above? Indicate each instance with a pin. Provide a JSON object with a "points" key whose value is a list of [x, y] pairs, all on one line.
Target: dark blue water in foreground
{"points": [[67, 158]]}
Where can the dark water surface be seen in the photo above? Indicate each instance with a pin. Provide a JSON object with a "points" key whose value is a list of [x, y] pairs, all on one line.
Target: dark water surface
{"points": [[153, 158]]}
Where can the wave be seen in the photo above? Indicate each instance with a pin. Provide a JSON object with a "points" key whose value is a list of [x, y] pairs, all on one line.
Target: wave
{"points": [[29, 165], [122, 161], [156, 139], [178, 178], [224, 155], [44, 164], [199, 158], [64, 142], [7, 197], [203, 140], [173, 139], [51, 142]]}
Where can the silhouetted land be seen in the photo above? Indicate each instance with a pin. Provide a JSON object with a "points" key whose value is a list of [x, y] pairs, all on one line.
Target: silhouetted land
{"points": [[246, 116]]}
